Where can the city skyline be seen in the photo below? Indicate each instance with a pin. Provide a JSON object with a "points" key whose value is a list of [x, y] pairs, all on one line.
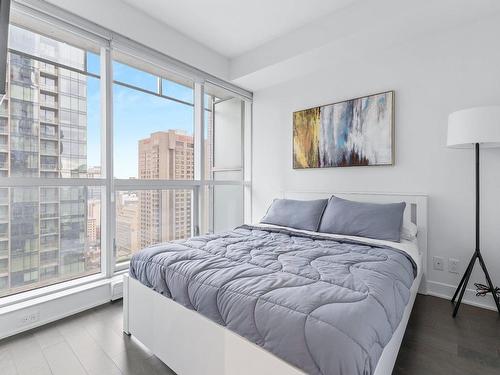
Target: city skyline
{"points": [[147, 217], [50, 127], [136, 115]]}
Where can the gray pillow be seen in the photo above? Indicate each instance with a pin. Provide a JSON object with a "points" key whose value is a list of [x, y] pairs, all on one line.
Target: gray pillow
{"points": [[372, 220], [305, 215]]}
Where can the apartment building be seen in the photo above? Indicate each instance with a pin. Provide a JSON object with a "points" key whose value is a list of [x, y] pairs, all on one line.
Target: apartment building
{"points": [[166, 214], [147, 217]]}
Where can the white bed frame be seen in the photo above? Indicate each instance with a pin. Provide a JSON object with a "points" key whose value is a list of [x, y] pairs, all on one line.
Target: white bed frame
{"points": [[191, 344]]}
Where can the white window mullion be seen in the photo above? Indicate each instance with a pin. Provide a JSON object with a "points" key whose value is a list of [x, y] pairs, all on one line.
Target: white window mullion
{"points": [[211, 191], [247, 162], [108, 207], [146, 184], [37, 181], [199, 160]]}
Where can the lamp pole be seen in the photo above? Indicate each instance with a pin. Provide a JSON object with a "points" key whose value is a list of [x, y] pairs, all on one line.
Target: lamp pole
{"points": [[477, 253], [476, 147]]}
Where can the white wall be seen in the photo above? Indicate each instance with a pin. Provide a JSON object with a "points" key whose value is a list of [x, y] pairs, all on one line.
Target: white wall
{"points": [[432, 76]]}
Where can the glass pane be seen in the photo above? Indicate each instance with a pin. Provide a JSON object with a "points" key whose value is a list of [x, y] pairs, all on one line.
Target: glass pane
{"points": [[48, 235], [93, 63], [148, 217], [207, 101], [227, 203], [227, 175], [153, 136], [206, 212], [54, 113], [208, 144], [135, 77], [177, 91], [227, 134], [223, 133], [34, 44]]}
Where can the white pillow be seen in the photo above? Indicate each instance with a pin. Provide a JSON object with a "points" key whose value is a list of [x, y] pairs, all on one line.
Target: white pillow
{"points": [[408, 231]]}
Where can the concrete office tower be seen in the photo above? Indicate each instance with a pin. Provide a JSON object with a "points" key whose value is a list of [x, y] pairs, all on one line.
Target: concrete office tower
{"points": [[165, 214]]}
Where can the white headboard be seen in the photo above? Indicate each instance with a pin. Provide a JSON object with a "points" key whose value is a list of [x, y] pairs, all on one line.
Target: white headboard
{"points": [[416, 212]]}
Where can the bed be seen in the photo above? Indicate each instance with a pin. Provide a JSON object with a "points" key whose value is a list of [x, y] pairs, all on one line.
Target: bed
{"points": [[273, 300]]}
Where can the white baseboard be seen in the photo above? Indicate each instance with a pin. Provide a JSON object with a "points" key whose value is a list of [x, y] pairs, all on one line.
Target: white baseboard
{"points": [[57, 306], [446, 291]]}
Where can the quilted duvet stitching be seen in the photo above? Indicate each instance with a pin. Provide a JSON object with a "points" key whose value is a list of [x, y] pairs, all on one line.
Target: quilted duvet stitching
{"points": [[250, 243]]}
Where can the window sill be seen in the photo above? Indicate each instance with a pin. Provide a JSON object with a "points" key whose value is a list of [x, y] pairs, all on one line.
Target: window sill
{"points": [[56, 302], [49, 290], [122, 267]]}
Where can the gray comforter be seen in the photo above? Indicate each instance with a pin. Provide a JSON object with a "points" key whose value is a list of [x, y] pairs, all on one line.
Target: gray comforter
{"points": [[325, 306]]}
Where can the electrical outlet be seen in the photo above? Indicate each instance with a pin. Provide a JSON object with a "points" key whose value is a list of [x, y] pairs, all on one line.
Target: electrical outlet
{"points": [[30, 318], [453, 265], [438, 263]]}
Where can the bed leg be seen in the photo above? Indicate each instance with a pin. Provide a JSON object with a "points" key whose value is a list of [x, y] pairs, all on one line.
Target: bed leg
{"points": [[125, 304]]}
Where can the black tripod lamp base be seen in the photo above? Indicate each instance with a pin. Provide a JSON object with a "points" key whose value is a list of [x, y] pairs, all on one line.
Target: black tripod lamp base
{"points": [[484, 289]]}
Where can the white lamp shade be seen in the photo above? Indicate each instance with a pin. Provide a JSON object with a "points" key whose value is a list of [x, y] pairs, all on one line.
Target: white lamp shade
{"points": [[474, 125]]}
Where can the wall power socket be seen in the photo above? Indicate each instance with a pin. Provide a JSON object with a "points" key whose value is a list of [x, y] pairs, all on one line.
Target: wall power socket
{"points": [[30, 318], [453, 265], [438, 263]]}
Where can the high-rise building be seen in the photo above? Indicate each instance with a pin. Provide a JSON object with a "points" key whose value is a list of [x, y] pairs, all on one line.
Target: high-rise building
{"points": [[165, 214], [127, 225], [43, 131], [94, 172], [94, 221]]}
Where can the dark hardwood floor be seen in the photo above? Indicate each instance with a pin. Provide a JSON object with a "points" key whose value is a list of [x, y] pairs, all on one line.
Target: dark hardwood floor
{"points": [[92, 343], [435, 343]]}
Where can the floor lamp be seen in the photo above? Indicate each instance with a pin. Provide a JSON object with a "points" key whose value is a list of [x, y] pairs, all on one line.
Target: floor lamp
{"points": [[474, 128]]}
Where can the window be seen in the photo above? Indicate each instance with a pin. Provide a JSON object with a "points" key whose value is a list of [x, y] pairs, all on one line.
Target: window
{"points": [[176, 90], [47, 99], [47, 234], [224, 150], [148, 217], [25, 93], [159, 129], [4, 126], [52, 187], [48, 83], [43, 47], [154, 117], [135, 77], [48, 115], [52, 235], [22, 70]]}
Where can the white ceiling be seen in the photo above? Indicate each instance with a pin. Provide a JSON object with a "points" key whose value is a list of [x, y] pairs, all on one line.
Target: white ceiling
{"points": [[233, 27]]}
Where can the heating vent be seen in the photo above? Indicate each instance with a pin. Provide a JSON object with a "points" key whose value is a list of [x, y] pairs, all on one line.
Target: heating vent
{"points": [[116, 289]]}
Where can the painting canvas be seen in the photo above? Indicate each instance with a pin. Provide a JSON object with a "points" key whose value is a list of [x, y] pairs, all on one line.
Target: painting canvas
{"points": [[355, 132]]}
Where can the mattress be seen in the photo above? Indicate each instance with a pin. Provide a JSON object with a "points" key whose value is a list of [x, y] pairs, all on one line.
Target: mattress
{"points": [[325, 304]]}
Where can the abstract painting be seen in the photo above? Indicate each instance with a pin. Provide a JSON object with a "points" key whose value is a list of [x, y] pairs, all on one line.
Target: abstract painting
{"points": [[355, 132]]}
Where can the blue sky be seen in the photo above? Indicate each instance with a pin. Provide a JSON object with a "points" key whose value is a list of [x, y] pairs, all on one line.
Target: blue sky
{"points": [[135, 114]]}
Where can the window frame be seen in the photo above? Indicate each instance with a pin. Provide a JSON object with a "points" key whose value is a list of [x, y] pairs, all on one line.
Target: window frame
{"points": [[107, 42]]}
